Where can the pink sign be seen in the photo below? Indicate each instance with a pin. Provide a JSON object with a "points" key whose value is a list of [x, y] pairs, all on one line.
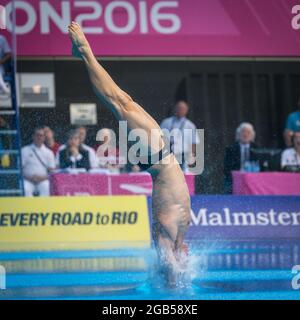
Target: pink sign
{"points": [[62, 184], [127, 184], [78, 185], [159, 27], [266, 183]]}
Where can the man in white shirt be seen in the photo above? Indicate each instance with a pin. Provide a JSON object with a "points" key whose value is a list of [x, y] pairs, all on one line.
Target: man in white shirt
{"points": [[37, 162], [184, 137], [291, 156]]}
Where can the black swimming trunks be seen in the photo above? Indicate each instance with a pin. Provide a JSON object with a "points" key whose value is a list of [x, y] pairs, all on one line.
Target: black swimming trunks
{"points": [[163, 153]]}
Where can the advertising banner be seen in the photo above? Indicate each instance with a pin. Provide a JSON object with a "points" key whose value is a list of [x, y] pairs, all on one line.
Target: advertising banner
{"points": [[245, 217], [65, 223], [158, 27]]}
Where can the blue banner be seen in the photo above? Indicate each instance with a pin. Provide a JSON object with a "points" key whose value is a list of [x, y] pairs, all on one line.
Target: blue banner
{"points": [[244, 217]]}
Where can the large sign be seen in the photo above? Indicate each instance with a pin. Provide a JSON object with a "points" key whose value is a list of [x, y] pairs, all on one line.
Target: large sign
{"points": [[159, 27], [122, 222], [245, 217], [73, 223]]}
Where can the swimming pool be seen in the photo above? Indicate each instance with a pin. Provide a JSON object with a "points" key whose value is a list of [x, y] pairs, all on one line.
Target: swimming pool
{"points": [[217, 270]]}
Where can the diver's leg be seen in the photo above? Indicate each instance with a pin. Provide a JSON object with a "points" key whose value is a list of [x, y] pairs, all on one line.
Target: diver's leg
{"points": [[111, 95]]}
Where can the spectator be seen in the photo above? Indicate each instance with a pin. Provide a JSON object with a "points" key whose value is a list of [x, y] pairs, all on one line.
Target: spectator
{"points": [[73, 155], [37, 162], [240, 152], [50, 140], [82, 133], [292, 126], [107, 151], [291, 156], [183, 143], [5, 55]]}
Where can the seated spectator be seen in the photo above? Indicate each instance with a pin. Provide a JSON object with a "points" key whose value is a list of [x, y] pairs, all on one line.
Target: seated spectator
{"points": [[73, 156], [291, 157], [82, 132], [50, 140], [239, 153], [292, 126], [107, 152], [37, 162]]}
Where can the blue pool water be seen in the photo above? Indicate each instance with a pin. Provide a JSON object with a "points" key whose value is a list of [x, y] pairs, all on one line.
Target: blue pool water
{"points": [[217, 270]]}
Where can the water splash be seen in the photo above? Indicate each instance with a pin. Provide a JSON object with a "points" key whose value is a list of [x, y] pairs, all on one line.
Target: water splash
{"points": [[195, 267], [191, 267]]}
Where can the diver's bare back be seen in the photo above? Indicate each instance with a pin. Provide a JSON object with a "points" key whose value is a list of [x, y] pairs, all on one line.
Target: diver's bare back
{"points": [[171, 200]]}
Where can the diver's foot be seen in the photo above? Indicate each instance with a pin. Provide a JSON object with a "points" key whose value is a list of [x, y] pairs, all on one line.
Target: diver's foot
{"points": [[80, 44]]}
